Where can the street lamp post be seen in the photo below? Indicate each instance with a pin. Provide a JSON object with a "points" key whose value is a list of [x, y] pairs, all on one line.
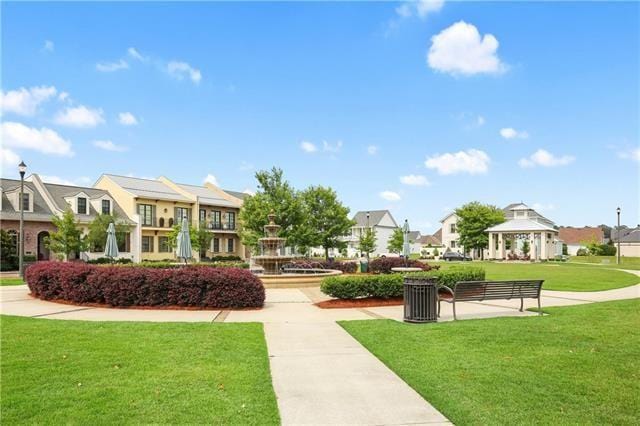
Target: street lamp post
{"points": [[618, 236], [22, 168], [367, 231]]}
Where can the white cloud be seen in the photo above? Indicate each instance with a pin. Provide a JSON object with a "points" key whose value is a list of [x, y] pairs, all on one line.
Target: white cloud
{"points": [[48, 46], [372, 150], [180, 70], [127, 119], [511, 133], [420, 8], [249, 191], [57, 180], [25, 101], [63, 96], [79, 116], [472, 161], [135, 54], [415, 180], [544, 158], [308, 147], [211, 179], [390, 196], [632, 154], [9, 160], [47, 141], [461, 50], [327, 147], [541, 207], [112, 66], [480, 121], [110, 146]]}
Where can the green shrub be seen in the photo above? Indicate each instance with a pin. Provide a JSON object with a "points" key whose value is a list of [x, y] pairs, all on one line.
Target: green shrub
{"points": [[449, 277], [354, 287]]}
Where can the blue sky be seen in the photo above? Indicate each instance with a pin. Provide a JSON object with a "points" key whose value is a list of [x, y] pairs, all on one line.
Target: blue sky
{"points": [[415, 107]]}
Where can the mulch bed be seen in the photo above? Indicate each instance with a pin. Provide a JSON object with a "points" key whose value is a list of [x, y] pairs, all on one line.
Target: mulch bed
{"points": [[146, 308], [366, 302]]}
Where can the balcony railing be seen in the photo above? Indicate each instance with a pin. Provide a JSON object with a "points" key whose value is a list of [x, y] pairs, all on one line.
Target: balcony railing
{"points": [[222, 226]]}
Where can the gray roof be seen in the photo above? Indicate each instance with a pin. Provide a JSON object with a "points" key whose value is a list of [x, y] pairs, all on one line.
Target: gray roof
{"points": [[147, 188], [41, 212], [59, 192], [627, 235], [206, 195], [414, 236], [375, 216], [240, 195]]}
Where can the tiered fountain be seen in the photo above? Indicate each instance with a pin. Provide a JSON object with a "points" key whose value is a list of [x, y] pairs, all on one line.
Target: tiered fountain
{"points": [[272, 263], [270, 258]]}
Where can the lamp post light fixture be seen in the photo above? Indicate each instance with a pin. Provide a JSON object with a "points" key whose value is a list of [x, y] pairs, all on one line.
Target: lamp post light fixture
{"points": [[618, 236], [22, 168]]}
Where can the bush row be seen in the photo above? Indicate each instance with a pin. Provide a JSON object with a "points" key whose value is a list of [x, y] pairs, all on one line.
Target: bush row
{"points": [[176, 264], [123, 286], [106, 261], [345, 267], [391, 285], [383, 265]]}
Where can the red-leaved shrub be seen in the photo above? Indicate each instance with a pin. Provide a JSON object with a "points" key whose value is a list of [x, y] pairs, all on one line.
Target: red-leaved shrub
{"points": [[383, 265], [122, 286], [348, 267]]}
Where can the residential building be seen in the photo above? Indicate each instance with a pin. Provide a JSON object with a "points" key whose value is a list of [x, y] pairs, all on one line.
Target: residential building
{"points": [[381, 221], [629, 241], [578, 238], [431, 244], [450, 239], [42, 201], [415, 247]]}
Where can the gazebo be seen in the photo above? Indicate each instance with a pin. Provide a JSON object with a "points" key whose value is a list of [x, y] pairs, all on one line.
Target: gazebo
{"points": [[507, 239]]}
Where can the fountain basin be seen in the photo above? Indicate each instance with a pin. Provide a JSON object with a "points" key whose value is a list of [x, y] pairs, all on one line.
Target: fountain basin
{"points": [[297, 279]]}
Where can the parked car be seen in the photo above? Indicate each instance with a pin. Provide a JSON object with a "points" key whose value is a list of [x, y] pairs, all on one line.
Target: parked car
{"points": [[455, 256]]}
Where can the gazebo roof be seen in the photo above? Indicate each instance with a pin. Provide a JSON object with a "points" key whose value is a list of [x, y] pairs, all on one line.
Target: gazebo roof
{"points": [[519, 225]]}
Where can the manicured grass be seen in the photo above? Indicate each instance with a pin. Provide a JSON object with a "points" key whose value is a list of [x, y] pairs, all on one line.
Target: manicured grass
{"points": [[11, 281], [557, 276], [579, 365], [60, 372], [609, 261]]}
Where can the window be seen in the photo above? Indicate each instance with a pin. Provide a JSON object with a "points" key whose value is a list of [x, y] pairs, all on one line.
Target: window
{"points": [[163, 245], [125, 245], [453, 244], [181, 212], [106, 206], [82, 205], [25, 201], [147, 213], [231, 220], [452, 228], [203, 216], [147, 244], [216, 221], [230, 242], [216, 245]]}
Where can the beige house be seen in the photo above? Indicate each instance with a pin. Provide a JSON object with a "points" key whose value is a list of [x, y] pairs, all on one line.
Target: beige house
{"points": [[156, 205], [506, 240]]}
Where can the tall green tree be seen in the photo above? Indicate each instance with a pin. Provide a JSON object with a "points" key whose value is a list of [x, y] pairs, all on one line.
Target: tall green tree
{"points": [[473, 219], [327, 218], [97, 231], [194, 236], [203, 238], [367, 241], [396, 241], [68, 237], [274, 193]]}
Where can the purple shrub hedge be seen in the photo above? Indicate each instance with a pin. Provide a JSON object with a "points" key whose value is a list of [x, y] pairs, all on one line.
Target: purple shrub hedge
{"points": [[345, 267], [383, 265], [122, 286]]}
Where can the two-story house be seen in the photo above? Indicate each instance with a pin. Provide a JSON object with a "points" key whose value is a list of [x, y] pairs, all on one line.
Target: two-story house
{"points": [[381, 221], [43, 201]]}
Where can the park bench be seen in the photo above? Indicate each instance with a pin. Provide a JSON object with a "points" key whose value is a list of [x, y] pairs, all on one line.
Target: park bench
{"points": [[477, 291]]}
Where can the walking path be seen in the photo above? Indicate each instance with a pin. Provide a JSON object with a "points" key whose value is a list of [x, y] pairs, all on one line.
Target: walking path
{"points": [[321, 374]]}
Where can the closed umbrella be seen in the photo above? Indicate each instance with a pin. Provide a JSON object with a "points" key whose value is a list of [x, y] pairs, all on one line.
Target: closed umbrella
{"points": [[111, 246], [406, 249], [183, 249]]}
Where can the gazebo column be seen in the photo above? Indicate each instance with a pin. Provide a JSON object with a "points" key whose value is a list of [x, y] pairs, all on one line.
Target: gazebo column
{"points": [[533, 250], [492, 246], [501, 246], [543, 249]]}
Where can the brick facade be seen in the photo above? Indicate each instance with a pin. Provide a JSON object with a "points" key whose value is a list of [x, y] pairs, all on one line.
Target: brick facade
{"points": [[31, 231]]}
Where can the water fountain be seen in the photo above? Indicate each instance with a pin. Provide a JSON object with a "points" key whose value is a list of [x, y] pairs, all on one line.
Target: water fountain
{"points": [[273, 263], [270, 258]]}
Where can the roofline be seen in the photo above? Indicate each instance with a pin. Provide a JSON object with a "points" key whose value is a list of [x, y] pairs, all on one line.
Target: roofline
{"points": [[46, 195]]}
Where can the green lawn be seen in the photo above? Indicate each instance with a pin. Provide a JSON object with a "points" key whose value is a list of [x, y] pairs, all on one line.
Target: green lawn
{"points": [[579, 365], [557, 276], [609, 261], [76, 372], [11, 281]]}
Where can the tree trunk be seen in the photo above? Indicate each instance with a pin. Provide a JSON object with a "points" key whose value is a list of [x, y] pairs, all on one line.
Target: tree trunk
{"points": [[326, 253]]}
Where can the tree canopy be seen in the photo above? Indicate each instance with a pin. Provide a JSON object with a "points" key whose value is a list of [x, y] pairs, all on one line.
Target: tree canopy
{"points": [[68, 237], [97, 235], [396, 241], [367, 241], [473, 219]]}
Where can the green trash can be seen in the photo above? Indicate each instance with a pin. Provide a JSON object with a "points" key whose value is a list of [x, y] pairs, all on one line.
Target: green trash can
{"points": [[364, 266]]}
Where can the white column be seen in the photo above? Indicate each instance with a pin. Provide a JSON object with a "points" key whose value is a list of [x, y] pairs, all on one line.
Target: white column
{"points": [[532, 245], [543, 249], [501, 246]]}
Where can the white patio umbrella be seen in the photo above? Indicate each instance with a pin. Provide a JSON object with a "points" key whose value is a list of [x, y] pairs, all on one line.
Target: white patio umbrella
{"points": [[111, 246], [183, 248], [406, 249]]}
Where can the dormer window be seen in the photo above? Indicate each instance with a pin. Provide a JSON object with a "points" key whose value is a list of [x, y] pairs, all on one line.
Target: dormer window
{"points": [[25, 201], [82, 205], [106, 206]]}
